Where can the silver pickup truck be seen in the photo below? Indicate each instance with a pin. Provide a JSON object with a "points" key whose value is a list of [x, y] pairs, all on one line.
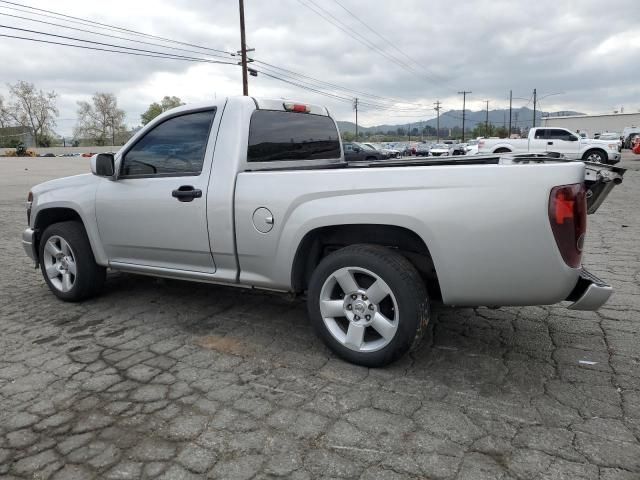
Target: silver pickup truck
{"points": [[256, 193]]}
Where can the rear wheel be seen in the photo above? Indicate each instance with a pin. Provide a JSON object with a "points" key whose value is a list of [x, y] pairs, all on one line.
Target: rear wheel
{"points": [[368, 304], [67, 262]]}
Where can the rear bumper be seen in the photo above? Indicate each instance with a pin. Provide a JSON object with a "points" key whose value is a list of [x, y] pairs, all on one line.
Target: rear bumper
{"points": [[590, 293], [28, 243]]}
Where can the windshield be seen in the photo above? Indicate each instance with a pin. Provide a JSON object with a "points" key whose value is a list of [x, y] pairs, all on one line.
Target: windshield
{"points": [[441, 145], [609, 136], [367, 146]]}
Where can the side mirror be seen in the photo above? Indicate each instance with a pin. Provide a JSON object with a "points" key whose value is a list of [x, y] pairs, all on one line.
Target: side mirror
{"points": [[103, 165], [357, 149]]}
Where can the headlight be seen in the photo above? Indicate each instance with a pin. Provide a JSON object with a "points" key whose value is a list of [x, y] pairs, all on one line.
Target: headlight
{"points": [[613, 146]]}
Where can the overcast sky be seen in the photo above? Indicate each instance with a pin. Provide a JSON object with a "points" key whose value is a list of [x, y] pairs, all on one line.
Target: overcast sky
{"points": [[587, 50]]}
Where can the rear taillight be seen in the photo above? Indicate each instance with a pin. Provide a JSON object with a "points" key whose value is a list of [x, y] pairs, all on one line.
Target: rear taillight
{"points": [[568, 217]]}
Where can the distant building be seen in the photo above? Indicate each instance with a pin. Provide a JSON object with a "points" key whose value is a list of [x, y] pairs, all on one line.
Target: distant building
{"points": [[592, 124], [12, 135]]}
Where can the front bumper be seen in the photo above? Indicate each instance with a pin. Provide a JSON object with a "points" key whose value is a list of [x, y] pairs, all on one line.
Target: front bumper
{"points": [[590, 293], [614, 158], [29, 245]]}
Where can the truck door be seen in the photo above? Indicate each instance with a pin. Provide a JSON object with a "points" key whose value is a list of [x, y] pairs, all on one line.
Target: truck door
{"points": [[562, 141], [154, 214], [538, 143]]}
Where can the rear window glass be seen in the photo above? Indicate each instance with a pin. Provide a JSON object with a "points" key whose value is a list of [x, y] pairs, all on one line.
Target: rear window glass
{"points": [[285, 136]]}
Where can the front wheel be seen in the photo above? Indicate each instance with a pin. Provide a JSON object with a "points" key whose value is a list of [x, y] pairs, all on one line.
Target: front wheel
{"points": [[67, 262], [595, 156], [368, 304]]}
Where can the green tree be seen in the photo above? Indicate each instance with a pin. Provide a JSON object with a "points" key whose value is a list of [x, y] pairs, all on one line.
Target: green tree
{"points": [[100, 121], [348, 136], [32, 108], [155, 109]]}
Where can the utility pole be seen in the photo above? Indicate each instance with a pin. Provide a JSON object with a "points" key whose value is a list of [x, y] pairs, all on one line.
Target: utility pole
{"points": [[243, 51], [486, 120], [437, 109], [510, 108], [535, 100], [464, 108], [355, 107]]}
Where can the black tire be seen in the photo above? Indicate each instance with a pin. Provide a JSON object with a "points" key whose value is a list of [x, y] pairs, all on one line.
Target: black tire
{"points": [[602, 156], [89, 277], [404, 282]]}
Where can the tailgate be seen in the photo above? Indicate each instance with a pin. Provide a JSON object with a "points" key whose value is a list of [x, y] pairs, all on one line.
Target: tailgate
{"points": [[600, 180]]}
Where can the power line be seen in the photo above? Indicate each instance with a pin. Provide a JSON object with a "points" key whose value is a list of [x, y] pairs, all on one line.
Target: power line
{"points": [[99, 43], [342, 26], [387, 102], [378, 34], [86, 47], [346, 89], [81, 21], [102, 34], [110, 27], [318, 84]]}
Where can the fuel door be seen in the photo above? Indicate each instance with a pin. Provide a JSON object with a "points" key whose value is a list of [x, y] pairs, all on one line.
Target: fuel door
{"points": [[263, 220]]}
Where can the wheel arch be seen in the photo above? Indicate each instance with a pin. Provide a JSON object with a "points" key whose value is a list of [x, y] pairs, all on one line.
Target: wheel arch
{"points": [[47, 216], [321, 241], [502, 150]]}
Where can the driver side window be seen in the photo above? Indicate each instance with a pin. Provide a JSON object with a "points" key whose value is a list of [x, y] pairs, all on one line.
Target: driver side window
{"points": [[174, 147]]}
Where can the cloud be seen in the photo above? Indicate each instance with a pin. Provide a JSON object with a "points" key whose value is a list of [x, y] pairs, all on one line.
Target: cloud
{"points": [[431, 50]]}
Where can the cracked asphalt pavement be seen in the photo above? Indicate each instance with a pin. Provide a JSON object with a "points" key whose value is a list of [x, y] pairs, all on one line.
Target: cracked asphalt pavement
{"points": [[167, 379]]}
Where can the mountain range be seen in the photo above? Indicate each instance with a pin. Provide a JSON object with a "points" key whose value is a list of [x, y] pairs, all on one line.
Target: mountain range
{"points": [[520, 117]]}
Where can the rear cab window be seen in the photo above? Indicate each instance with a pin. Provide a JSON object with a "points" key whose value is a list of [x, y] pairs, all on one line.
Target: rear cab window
{"points": [[281, 136]]}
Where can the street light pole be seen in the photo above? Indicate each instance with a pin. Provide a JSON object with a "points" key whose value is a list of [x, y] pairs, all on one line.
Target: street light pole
{"points": [[486, 121], [510, 108], [535, 101], [437, 109], [464, 105], [355, 107]]}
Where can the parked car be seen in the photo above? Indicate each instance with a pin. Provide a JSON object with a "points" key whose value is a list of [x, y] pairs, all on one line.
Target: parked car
{"points": [[439, 150], [557, 140], [423, 149], [356, 152], [255, 193], [629, 135], [386, 152], [472, 147], [458, 149]]}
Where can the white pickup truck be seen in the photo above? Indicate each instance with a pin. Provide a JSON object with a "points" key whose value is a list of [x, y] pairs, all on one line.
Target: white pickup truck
{"points": [[256, 193], [555, 140]]}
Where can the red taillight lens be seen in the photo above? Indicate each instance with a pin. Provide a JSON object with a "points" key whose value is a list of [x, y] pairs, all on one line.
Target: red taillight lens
{"points": [[568, 217], [296, 107]]}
